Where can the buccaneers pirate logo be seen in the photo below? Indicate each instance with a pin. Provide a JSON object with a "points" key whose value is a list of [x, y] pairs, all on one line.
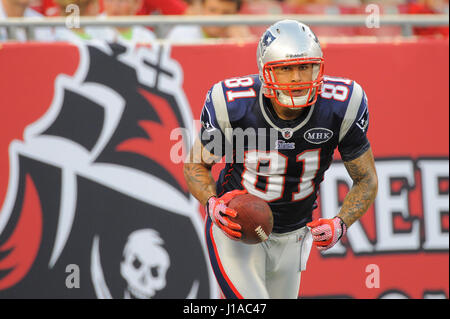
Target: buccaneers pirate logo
{"points": [[92, 184]]}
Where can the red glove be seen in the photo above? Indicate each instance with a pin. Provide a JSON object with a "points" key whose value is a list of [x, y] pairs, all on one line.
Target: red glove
{"points": [[219, 212], [327, 232]]}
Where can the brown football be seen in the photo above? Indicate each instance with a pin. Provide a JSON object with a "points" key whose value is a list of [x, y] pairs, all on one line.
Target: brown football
{"points": [[255, 217]]}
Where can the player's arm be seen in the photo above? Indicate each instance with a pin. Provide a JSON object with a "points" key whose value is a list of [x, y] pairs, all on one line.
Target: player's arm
{"points": [[206, 151], [197, 172], [327, 232], [358, 160], [364, 189]]}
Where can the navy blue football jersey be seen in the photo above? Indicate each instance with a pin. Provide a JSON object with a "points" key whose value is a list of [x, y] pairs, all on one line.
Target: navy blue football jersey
{"points": [[280, 161]]}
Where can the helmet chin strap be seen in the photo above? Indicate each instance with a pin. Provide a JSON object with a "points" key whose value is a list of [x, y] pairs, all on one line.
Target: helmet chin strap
{"points": [[300, 100]]}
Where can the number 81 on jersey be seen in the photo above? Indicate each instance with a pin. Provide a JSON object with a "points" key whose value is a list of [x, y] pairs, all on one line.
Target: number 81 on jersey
{"points": [[272, 166]]}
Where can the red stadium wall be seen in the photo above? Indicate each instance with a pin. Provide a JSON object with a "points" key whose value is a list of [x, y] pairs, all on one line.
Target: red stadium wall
{"points": [[399, 248]]}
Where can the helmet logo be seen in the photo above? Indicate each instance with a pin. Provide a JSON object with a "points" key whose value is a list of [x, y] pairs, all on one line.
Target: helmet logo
{"points": [[314, 36], [266, 41]]}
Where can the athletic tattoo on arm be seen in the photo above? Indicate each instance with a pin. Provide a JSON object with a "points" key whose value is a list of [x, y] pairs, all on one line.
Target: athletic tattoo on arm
{"points": [[197, 172], [364, 189]]}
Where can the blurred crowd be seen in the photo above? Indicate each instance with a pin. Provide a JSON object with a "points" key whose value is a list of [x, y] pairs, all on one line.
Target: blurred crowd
{"points": [[192, 33]]}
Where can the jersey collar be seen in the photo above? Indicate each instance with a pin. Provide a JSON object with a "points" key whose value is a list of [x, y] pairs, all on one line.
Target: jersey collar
{"points": [[271, 120]]}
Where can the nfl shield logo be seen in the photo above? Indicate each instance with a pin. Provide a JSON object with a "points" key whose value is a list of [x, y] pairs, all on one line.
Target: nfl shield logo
{"points": [[286, 133]]}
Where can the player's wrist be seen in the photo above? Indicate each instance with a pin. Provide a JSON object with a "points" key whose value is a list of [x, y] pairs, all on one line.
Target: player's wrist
{"points": [[342, 225], [209, 200]]}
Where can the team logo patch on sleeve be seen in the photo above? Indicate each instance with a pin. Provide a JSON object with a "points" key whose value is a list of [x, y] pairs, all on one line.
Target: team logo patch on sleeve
{"points": [[206, 120], [363, 121]]}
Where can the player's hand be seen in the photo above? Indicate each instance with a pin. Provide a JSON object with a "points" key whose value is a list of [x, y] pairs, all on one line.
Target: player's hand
{"points": [[327, 232], [219, 212]]}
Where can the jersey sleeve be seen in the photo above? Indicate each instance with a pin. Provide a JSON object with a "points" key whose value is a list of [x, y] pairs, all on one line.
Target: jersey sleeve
{"points": [[353, 142], [211, 135], [226, 104]]}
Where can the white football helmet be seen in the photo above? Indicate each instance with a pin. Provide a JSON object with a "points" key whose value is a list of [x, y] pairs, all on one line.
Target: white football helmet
{"points": [[290, 42]]}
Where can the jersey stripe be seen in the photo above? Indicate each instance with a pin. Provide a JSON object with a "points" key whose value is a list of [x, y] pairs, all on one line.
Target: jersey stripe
{"points": [[352, 110], [227, 287], [220, 107]]}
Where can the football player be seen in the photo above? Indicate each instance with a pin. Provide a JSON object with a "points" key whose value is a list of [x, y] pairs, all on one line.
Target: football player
{"points": [[311, 115]]}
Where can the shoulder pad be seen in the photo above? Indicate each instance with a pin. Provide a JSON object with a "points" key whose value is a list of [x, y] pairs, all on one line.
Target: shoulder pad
{"points": [[236, 95]]}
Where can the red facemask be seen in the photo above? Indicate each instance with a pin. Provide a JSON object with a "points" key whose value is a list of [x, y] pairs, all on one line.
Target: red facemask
{"points": [[291, 90]]}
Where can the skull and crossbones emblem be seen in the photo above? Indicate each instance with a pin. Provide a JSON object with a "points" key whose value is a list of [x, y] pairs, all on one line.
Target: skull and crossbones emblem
{"points": [[145, 264]]}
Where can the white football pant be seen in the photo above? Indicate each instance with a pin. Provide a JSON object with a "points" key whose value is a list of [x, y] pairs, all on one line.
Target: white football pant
{"points": [[271, 269]]}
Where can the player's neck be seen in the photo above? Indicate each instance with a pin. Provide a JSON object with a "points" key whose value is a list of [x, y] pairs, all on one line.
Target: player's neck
{"points": [[286, 113]]}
